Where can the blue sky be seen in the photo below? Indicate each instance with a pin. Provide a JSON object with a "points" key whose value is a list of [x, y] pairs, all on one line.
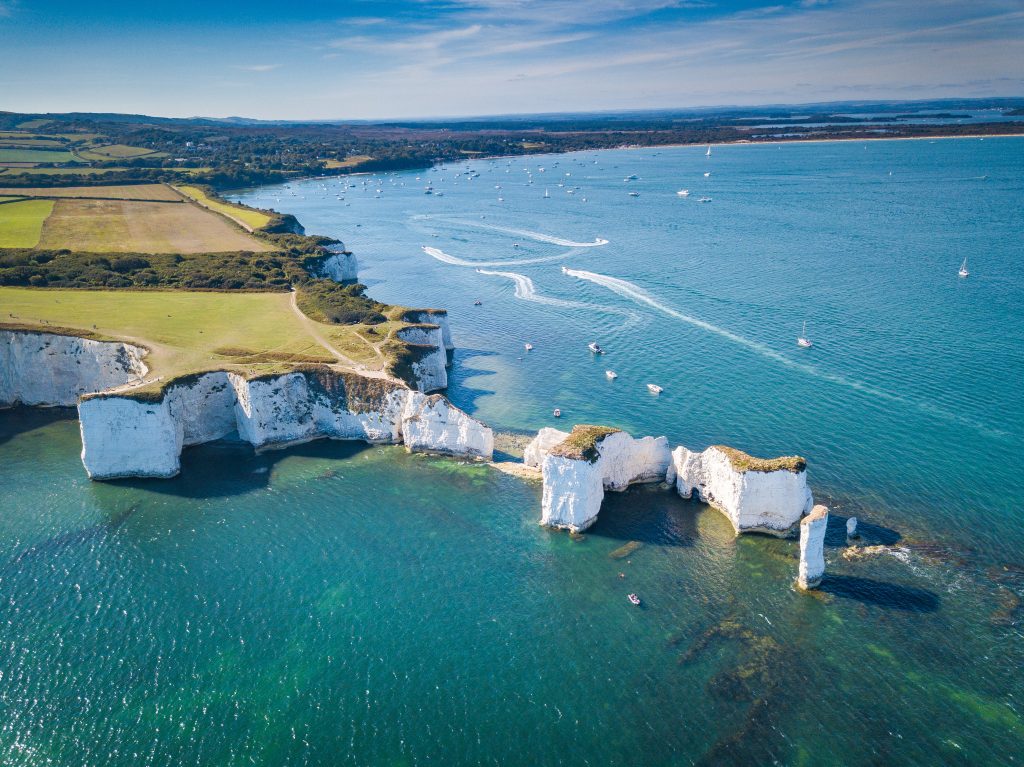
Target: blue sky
{"points": [[421, 58]]}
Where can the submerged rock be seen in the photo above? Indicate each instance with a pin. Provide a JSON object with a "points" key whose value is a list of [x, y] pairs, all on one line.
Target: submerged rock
{"points": [[812, 547]]}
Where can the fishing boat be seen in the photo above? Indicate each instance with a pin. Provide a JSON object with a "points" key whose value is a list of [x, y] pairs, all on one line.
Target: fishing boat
{"points": [[654, 389], [557, 412], [612, 375], [528, 346], [963, 269], [634, 599], [595, 347], [803, 340], [683, 193]]}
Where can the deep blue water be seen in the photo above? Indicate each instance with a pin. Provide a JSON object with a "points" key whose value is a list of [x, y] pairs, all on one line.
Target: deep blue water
{"points": [[341, 604]]}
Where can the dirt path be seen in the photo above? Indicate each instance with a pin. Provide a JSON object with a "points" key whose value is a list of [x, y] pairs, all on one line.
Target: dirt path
{"points": [[342, 359]]}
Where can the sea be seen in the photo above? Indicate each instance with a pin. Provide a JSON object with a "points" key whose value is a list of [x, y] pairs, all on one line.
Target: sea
{"points": [[342, 604]]}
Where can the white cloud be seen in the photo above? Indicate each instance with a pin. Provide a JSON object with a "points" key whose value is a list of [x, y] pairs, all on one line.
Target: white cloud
{"points": [[255, 67]]}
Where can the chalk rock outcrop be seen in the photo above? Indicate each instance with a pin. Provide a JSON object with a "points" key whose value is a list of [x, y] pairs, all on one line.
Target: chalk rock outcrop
{"points": [[764, 496], [812, 547], [125, 435], [340, 266], [437, 317], [541, 445], [851, 529], [427, 355], [592, 459], [51, 369]]}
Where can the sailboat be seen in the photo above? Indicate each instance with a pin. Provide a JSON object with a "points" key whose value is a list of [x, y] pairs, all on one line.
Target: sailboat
{"points": [[963, 269], [708, 153], [803, 340], [546, 195]]}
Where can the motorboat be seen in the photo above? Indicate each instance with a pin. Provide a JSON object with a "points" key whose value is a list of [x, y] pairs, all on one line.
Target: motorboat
{"points": [[703, 199], [478, 302], [683, 193], [634, 194], [634, 599], [528, 346], [654, 389], [612, 375], [557, 412], [595, 347]]}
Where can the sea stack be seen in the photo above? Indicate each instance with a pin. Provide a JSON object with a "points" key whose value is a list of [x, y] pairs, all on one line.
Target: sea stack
{"points": [[851, 529], [812, 547]]}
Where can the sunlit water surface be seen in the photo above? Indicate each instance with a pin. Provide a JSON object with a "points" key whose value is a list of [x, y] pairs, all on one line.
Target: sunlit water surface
{"points": [[343, 604]]}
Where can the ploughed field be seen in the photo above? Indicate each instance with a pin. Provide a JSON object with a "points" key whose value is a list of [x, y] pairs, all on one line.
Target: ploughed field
{"points": [[194, 331], [144, 218]]}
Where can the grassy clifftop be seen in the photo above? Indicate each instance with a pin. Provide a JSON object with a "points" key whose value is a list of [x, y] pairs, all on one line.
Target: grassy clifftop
{"points": [[743, 462], [582, 442]]}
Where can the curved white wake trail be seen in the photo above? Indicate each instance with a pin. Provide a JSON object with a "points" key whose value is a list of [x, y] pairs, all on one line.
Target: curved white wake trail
{"points": [[635, 292], [527, 291], [448, 258], [525, 233]]}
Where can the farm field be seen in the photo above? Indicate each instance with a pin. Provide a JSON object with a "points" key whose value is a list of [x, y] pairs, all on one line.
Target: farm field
{"points": [[58, 171], [252, 219], [191, 331], [35, 155], [126, 226], [349, 162], [124, 192], [117, 152], [22, 222], [31, 142]]}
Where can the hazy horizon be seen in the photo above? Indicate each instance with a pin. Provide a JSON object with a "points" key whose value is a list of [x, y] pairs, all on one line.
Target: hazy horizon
{"points": [[421, 59]]}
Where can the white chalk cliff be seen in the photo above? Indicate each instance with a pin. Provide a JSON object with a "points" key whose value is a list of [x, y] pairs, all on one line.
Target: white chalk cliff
{"points": [[437, 317], [340, 266], [135, 436], [51, 369], [755, 501], [812, 547], [430, 360], [541, 445], [574, 485]]}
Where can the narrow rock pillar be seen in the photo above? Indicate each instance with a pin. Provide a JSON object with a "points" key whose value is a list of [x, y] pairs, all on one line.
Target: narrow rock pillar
{"points": [[812, 547]]}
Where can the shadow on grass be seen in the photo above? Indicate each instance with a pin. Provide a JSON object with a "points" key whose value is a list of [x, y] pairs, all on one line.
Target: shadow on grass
{"points": [[881, 594]]}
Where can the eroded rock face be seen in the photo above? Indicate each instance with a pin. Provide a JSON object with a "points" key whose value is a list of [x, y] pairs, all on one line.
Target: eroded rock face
{"points": [[755, 501], [541, 445], [430, 369], [340, 266], [123, 436], [574, 487], [437, 317], [812, 547], [50, 369]]}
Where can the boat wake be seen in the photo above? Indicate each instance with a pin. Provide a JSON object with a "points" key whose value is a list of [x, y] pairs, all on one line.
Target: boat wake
{"points": [[527, 291], [524, 233], [448, 258], [638, 294]]}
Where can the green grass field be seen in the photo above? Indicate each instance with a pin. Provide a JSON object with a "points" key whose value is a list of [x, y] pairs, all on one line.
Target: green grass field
{"points": [[117, 152], [32, 143], [35, 155], [190, 331], [22, 222], [60, 171], [250, 218]]}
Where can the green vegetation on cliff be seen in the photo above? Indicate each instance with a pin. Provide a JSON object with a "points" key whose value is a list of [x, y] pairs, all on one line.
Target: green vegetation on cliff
{"points": [[582, 442], [743, 462]]}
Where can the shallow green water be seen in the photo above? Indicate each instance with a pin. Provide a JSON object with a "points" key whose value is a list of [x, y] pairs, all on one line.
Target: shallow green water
{"points": [[343, 604]]}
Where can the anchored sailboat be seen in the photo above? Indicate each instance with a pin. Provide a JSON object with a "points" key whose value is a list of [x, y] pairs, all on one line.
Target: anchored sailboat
{"points": [[803, 340], [708, 153], [963, 269]]}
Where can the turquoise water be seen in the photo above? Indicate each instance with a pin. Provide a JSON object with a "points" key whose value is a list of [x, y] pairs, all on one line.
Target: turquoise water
{"points": [[342, 604]]}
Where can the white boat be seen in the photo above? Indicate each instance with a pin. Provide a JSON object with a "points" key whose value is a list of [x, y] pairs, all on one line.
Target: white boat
{"points": [[803, 340], [593, 345], [654, 389], [707, 174], [631, 177], [557, 413], [703, 199], [708, 153], [634, 194], [546, 195], [683, 193], [612, 375], [528, 346], [963, 269]]}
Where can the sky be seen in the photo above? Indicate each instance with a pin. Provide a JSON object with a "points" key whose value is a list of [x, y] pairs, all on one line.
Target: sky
{"points": [[366, 59]]}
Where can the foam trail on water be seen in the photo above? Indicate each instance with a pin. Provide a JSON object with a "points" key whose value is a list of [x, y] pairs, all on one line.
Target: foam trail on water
{"points": [[448, 258], [527, 291], [525, 233], [638, 294]]}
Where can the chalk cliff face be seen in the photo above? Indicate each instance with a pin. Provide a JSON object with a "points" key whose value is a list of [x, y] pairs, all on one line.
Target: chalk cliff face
{"points": [[429, 366], [812, 547], [50, 369], [437, 317], [574, 487], [755, 501], [541, 445], [126, 436], [340, 266]]}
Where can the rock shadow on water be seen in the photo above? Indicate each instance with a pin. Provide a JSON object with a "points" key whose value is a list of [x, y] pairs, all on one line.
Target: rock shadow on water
{"points": [[21, 420], [648, 515], [459, 392], [891, 596], [230, 467]]}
